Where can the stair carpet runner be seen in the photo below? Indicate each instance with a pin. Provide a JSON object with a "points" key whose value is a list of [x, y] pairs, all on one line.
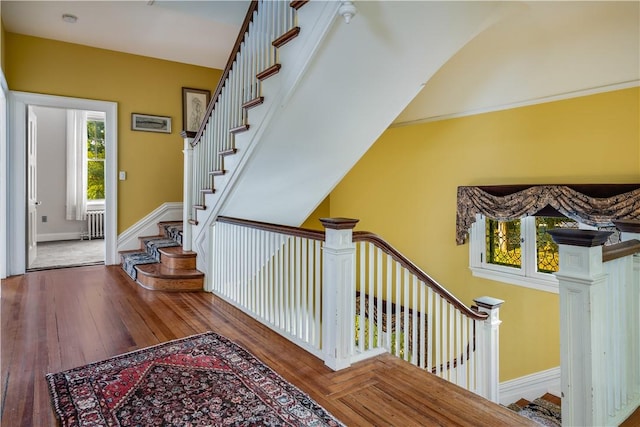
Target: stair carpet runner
{"points": [[544, 410], [172, 237]]}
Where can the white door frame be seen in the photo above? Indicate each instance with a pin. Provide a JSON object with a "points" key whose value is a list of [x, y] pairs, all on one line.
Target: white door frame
{"points": [[17, 163]]}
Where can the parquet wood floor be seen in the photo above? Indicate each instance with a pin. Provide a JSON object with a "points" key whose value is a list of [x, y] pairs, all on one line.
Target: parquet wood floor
{"points": [[59, 319]]}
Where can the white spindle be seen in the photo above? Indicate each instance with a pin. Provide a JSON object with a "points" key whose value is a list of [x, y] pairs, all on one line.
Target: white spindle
{"points": [[437, 334], [387, 339], [452, 354], [362, 289], [370, 292], [473, 385], [298, 288], [318, 298], [422, 332], [271, 277], [458, 348], [430, 327], [445, 342], [396, 310], [378, 294], [463, 352], [304, 285]]}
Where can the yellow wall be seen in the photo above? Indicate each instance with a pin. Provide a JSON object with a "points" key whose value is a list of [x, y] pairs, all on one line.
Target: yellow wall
{"points": [[415, 171], [153, 161], [322, 211]]}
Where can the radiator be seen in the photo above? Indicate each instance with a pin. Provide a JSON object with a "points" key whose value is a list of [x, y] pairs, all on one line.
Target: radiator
{"points": [[95, 224]]}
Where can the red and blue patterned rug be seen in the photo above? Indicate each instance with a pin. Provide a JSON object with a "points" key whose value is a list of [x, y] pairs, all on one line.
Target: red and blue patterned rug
{"points": [[202, 380]]}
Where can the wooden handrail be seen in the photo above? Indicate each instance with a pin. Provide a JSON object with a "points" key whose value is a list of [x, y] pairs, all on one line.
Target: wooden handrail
{"points": [[284, 229], [620, 250], [365, 236], [223, 79]]}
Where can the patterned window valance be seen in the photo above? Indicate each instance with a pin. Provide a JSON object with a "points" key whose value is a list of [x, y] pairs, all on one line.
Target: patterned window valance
{"points": [[595, 205]]}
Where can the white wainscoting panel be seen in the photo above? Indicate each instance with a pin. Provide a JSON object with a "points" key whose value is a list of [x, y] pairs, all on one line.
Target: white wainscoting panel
{"points": [[531, 386], [148, 226]]}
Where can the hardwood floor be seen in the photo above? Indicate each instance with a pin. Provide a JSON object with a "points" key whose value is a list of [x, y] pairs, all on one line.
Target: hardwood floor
{"points": [[59, 319]]}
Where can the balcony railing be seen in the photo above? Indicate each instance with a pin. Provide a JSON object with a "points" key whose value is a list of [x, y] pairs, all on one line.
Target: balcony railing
{"points": [[347, 296]]}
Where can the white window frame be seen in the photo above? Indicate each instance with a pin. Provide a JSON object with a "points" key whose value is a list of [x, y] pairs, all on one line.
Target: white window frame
{"points": [[527, 275], [95, 204]]}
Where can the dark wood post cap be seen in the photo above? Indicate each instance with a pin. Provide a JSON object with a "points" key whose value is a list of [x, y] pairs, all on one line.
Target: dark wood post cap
{"points": [[339, 223]]}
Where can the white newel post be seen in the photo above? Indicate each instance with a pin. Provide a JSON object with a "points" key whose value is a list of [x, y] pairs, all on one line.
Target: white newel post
{"points": [[630, 230], [187, 187], [338, 292], [489, 348], [582, 355]]}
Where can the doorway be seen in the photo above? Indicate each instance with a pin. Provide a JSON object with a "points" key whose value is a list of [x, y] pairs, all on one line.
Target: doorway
{"points": [[65, 187], [17, 165]]}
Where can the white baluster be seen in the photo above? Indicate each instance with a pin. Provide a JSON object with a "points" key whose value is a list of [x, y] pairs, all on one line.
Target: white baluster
{"points": [[387, 339], [370, 294], [362, 289], [430, 340], [378, 294]]}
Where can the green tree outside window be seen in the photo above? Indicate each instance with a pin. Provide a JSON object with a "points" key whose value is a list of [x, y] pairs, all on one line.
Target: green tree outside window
{"points": [[95, 159]]}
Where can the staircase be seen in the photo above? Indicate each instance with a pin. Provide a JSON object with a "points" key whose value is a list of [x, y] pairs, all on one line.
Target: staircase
{"points": [[338, 86], [161, 264]]}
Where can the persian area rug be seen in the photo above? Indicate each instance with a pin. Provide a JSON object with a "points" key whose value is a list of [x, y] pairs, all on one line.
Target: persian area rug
{"points": [[202, 380]]}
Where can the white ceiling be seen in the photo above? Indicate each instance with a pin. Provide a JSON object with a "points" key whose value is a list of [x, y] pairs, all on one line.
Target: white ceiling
{"points": [[193, 32], [537, 50]]}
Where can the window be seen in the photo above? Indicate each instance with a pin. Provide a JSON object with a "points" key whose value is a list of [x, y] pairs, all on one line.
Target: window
{"points": [[85, 163], [519, 252], [95, 157]]}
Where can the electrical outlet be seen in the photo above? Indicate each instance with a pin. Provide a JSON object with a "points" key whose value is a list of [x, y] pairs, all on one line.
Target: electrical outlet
{"points": [[44, 218]]}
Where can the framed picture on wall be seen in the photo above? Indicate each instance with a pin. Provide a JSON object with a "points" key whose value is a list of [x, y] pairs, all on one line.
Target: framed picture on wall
{"points": [[149, 123], [194, 107]]}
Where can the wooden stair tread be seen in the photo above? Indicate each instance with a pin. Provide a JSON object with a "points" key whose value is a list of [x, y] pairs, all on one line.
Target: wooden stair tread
{"points": [[155, 236], [272, 70], [286, 37], [552, 399], [177, 252], [162, 272], [238, 129], [162, 223], [253, 102], [128, 251]]}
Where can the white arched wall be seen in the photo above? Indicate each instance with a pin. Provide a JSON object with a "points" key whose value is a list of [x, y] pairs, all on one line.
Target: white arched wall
{"points": [[15, 250]]}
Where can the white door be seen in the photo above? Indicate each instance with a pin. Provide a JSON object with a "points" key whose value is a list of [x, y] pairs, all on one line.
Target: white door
{"points": [[32, 187]]}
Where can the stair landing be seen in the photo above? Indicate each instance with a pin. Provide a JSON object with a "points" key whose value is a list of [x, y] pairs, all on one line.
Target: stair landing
{"points": [[161, 264]]}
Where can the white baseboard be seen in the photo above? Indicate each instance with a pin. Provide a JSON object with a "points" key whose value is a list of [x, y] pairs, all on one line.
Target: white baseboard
{"points": [[530, 386], [51, 237], [148, 226]]}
